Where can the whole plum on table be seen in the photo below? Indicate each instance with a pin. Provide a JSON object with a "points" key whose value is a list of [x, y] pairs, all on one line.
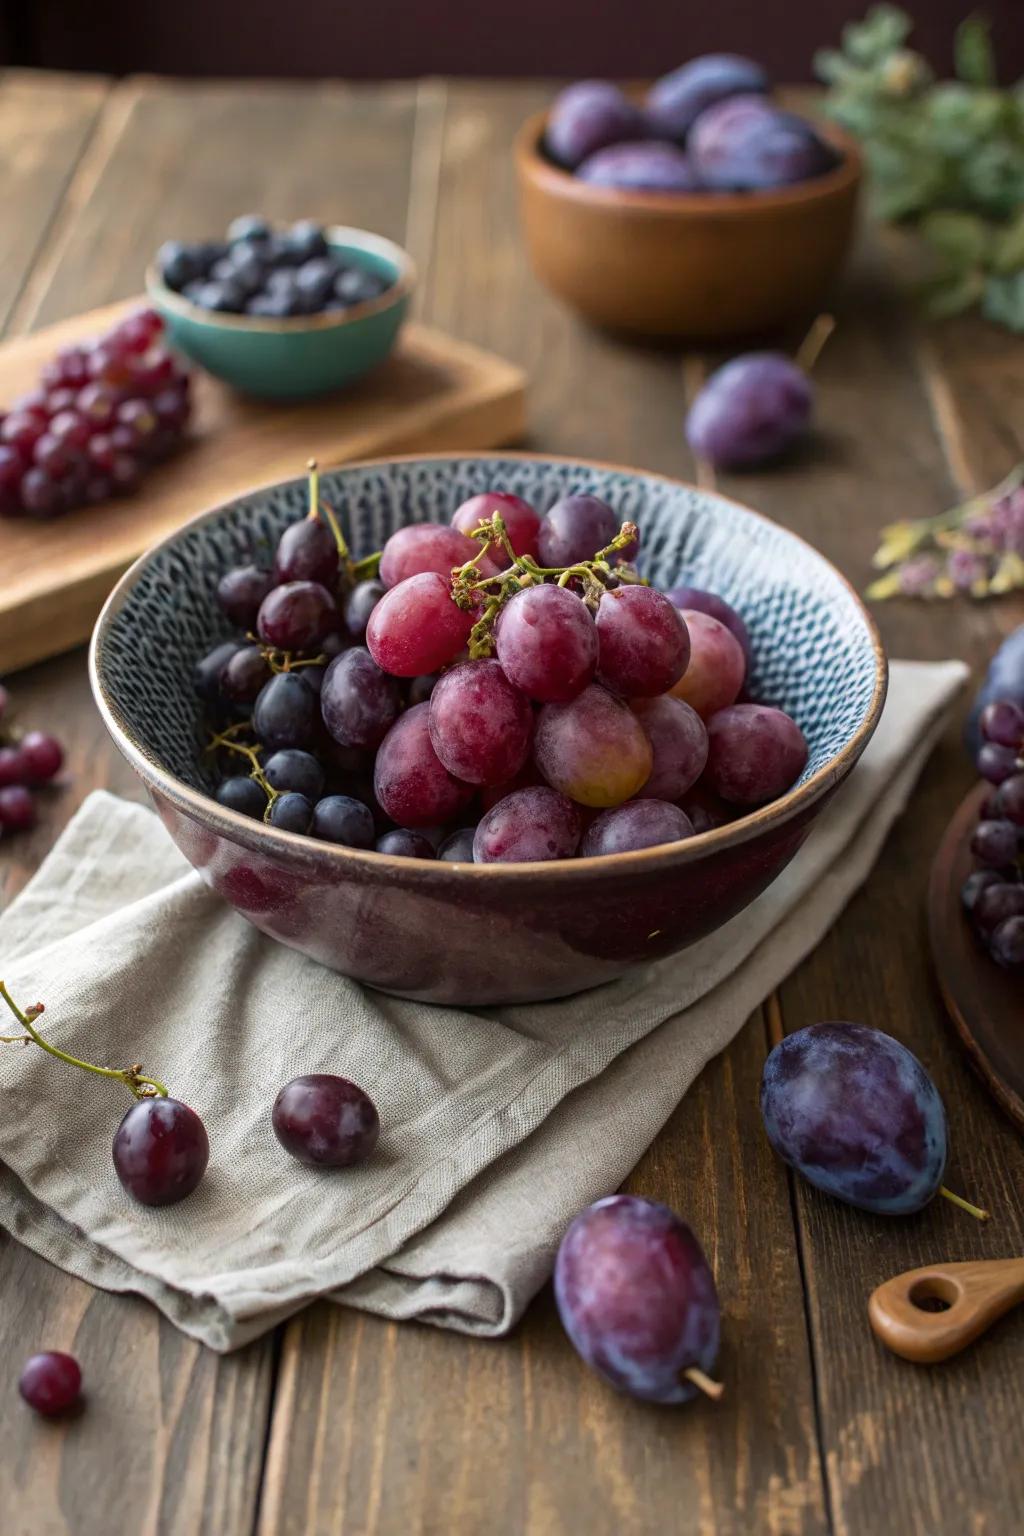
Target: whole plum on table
{"points": [[587, 116], [745, 144], [637, 1298], [646, 166], [856, 1114], [750, 410], [675, 101]]}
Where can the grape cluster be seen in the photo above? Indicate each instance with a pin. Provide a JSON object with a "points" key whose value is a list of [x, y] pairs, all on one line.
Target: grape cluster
{"points": [[994, 893], [104, 412], [26, 763], [271, 274], [709, 126], [499, 682]]}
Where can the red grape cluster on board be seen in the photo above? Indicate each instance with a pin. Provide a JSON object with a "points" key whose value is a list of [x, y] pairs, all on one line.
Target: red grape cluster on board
{"points": [[994, 893], [102, 414], [503, 688]]}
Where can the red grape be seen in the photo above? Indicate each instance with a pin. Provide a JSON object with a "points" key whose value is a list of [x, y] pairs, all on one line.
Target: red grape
{"points": [[22, 430], [411, 783], [13, 767], [51, 1383], [679, 741], [428, 547], [43, 755], [1002, 722], [755, 753], [716, 668], [325, 1121], [17, 809], [643, 646], [417, 627], [521, 522], [160, 1151], [358, 701], [996, 763], [637, 824], [994, 842], [593, 749], [575, 529], [547, 643], [296, 616], [528, 825], [717, 607], [480, 723], [1009, 800]]}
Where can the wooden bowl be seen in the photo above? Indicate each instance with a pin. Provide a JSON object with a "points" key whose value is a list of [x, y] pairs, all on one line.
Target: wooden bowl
{"points": [[695, 264]]}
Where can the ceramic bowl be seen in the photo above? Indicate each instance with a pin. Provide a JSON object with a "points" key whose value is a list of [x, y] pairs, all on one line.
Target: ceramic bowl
{"points": [[476, 934], [305, 355], [707, 266]]}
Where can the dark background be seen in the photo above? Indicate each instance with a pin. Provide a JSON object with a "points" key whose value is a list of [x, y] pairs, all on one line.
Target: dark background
{"points": [[382, 38]]}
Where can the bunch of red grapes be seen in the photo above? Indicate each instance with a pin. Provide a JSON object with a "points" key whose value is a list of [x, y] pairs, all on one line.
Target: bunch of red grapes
{"points": [[514, 695], [103, 413], [994, 894], [26, 763]]}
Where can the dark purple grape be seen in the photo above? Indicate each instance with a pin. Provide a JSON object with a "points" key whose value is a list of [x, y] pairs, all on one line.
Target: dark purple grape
{"points": [[307, 552], [995, 843], [240, 593], [1009, 800], [675, 101], [637, 824], [51, 1383], [209, 669], [457, 847], [17, 809], [637, 1298], [745, 144], [244, 795], [996, 763], [1003, 723], [291, 812], [856, 1114], [160, 1151], [40, 495], [13, 767], [1004, 680], [755, 753], [421, 688], [574, 529], [750, 411], [297, 616], [587, 116], [406, 844], [480, 723], [1006, 944], [710, 602], [976, 883], [42, 755], [996, 903], [286, 712], [294, 770], [411, 783], [643, 643], [646, 166], [244, 675], [342, 819], [528, 825], [325, 1121], [359, 604], [358, 701], [679, 742]]}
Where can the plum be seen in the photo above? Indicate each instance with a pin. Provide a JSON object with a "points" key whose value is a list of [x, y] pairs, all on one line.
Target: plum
{"points": [[745, 144], [646, 166], [588, 116], [676, 100], [637, 1298], [750, 410]]}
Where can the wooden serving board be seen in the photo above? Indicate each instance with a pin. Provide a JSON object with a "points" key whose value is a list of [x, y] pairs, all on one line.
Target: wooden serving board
{"points": [[985, 1003], [434, 393]]}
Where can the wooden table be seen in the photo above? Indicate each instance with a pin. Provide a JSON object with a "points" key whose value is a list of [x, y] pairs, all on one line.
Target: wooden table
{"points": [[342, 1423]]}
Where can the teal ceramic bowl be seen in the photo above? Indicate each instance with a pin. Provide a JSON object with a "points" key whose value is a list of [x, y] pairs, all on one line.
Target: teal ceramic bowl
{"points": [[304, 355]]}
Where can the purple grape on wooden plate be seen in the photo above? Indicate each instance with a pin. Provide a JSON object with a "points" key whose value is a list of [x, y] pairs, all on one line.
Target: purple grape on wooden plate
{"points": [[637, 1298]]}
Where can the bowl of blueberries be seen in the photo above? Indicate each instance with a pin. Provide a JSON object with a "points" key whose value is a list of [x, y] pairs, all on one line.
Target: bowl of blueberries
{"points": [[283, 313], [702, 209]]}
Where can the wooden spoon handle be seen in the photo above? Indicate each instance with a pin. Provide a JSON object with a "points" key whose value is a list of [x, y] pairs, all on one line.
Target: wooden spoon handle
{"points": [[928, 1314]]}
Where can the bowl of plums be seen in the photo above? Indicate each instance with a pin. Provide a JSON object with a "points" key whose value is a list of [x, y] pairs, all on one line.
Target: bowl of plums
{"points": [[701, 209], [479, 729], [283, 313]]}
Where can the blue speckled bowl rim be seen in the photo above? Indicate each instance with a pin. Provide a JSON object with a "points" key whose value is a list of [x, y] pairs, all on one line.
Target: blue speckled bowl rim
{"points": [[259, 837]]}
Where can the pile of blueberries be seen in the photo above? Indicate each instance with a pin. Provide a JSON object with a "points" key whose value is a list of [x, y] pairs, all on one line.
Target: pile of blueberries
{"points": [[273, 274], [709, 126]]}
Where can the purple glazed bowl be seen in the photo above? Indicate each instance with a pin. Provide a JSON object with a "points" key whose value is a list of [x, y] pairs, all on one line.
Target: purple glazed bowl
{"points": [[482, 934]]}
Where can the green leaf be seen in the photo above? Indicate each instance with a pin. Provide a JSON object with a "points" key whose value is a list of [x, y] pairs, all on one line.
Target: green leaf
{"points": [[884, 28], [962, 240], [1008, 247], [1003, 301], [972, 52], [954, 295]]}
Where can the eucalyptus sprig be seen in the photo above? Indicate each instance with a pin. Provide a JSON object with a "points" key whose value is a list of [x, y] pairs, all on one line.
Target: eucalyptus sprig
{"points": [[946, 155]]}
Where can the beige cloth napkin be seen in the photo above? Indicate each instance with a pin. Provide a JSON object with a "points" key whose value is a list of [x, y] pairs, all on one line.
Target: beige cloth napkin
{"points": [[497, 1125]]}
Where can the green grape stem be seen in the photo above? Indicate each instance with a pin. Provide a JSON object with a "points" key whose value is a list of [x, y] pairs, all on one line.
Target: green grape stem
{"points": [[226, 741], [140, 1086]]}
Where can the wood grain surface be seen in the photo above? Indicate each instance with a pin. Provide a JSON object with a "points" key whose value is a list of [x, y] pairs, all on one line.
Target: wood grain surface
{"points": [[348, 1424]]}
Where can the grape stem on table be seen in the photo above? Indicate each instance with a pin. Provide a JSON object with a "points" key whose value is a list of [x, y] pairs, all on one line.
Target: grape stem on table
{"points": [[140, 1086]]}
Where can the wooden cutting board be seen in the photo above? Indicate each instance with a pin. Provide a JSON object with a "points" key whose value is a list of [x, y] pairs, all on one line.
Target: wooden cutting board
{"points": [[433, 394]]}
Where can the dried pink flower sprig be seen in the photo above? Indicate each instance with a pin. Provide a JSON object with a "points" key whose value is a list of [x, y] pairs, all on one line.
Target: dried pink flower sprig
{"points": [[976, 548]]}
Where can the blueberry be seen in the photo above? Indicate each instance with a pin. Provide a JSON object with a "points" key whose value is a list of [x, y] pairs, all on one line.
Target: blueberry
{"points": [[305, 240], [248, 226], [270, 306], [356, 286], [279, 252], [241, 794], [177, 264], [225, 297], [291, 813], [313, 282], [207, 253]]}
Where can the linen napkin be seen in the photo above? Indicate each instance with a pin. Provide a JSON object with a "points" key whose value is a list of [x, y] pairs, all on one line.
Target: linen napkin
{"points": [[498, 1124]]}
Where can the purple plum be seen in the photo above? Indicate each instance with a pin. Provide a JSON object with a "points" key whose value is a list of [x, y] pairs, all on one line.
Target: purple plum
{"points": [[646, 166], [745, 144], [588, 116], [751, 410], [676, 100]]}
